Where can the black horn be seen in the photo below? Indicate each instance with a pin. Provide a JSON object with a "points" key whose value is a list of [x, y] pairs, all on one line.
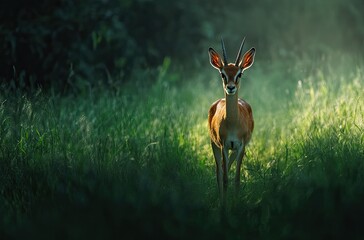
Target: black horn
{"points": [[239, 53], [224, 51]]}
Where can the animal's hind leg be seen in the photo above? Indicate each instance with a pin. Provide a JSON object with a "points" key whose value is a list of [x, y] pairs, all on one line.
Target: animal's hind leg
{"points": [[232, 158]]}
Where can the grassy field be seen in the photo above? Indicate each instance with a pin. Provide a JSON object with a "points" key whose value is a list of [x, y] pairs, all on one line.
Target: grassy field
{"points": [[136, 161]]}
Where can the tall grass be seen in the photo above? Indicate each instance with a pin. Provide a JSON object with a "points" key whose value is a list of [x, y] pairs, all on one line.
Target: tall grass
{"points": [[136, 162]]}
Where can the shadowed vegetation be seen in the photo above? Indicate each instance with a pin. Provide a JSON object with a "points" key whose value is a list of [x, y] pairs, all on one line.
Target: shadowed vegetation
{"points": [[127, 154], [139, 163]]}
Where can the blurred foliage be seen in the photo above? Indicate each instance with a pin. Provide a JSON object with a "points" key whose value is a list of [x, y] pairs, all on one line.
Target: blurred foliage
{"points": [[68, 44], [61, 43]]}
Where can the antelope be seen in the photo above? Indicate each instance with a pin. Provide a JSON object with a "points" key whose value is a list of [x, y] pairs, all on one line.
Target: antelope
{"points": [[230, 119]]}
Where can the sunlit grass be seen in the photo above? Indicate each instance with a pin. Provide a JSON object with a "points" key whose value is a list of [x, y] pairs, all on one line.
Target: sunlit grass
{"points": [[141, 157]]}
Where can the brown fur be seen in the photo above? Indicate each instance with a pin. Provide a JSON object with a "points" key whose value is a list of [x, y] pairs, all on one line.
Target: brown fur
{"points": [[230, 120], [218, 125]]}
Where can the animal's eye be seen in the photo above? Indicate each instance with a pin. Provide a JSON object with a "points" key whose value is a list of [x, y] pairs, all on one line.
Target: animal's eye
{"points": [[223, 77], [238, 78]]}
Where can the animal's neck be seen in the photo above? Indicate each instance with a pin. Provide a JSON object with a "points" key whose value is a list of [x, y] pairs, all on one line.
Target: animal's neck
{"points": [[231, 108]]}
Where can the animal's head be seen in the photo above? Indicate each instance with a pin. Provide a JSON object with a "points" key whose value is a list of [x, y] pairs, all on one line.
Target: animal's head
{"points": [[231, 72]]}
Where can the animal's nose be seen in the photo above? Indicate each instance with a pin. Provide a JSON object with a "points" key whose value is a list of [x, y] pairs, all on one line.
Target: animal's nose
{"points": [[230, 87]]}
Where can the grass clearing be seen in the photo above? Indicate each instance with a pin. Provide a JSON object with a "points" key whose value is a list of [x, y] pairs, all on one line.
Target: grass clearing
{"points": [[137, 162]]}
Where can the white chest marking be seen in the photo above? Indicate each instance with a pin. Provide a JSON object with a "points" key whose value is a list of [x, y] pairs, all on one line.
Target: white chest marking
{"points": [[232, 141]]}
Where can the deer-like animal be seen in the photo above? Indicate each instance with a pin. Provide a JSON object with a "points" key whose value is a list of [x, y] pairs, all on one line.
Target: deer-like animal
{"points": [[230, 119]]}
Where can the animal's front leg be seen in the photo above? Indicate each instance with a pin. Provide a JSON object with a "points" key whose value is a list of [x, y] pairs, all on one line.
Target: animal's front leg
{"points": [[239, 159], [219, 172], [225, 165]]}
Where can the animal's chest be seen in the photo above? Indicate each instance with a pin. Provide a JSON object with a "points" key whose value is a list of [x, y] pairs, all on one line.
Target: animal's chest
{"points": [[233, 139]]}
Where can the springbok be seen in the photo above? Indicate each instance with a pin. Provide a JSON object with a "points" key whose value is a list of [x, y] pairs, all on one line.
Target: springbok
{"points": [[230, 119]]}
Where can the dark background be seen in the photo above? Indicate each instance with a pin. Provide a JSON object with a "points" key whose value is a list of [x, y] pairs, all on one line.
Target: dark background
{"points": [[68, 45]]}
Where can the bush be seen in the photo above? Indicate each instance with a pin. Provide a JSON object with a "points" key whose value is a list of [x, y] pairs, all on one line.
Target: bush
{"points": [[68, 44], [64, 43]]}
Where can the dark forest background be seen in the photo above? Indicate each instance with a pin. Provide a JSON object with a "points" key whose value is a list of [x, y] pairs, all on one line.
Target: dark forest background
{"points": [[69, 45]]}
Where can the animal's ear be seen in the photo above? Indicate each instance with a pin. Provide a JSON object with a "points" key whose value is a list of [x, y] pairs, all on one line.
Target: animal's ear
{"points": [[248, 59], [215, 59]]}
